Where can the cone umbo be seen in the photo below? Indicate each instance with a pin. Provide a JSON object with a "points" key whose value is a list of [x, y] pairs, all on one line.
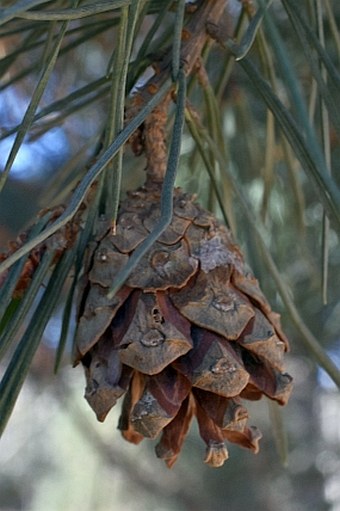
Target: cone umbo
{"points": [[189, 334]]}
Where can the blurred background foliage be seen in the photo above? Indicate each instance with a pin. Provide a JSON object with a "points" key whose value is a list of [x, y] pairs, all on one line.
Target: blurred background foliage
{"points": [[274, 193]]}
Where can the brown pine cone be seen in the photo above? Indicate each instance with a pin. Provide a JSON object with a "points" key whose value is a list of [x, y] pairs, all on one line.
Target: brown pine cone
{"points": [[189, 334]]}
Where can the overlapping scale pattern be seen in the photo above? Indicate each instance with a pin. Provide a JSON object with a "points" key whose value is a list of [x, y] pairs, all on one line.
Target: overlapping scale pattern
{"points": [[190, 334]]}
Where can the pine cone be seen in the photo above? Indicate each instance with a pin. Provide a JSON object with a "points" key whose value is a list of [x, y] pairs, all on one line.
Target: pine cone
{"points": [[58, 243], [189, 334]]}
